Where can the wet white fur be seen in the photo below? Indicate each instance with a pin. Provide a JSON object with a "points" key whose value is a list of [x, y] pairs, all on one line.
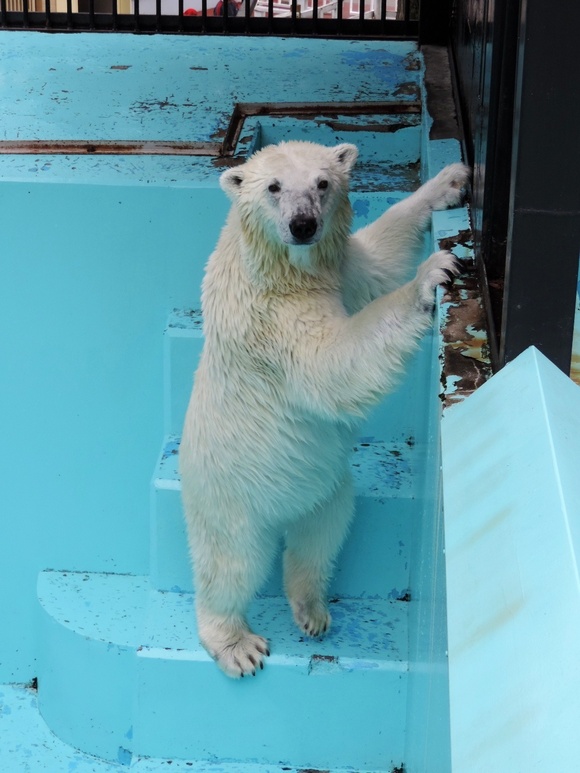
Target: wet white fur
{"points": [[299, 342]]}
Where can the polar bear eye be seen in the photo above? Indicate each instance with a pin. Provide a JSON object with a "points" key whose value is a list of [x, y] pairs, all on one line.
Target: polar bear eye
{"points": [[323, 185], [274, 188]]}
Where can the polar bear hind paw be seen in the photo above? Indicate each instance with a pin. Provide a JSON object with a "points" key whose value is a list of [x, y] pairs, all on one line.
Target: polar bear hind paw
{"points": [[243, 656], [312, 618]]}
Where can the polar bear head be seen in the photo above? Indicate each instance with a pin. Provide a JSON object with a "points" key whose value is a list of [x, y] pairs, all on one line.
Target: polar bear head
{"points": [[294, 195]]}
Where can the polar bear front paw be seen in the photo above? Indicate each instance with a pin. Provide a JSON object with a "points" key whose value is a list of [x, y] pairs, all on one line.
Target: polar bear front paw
{"points": [[448, 188], [439, 269], [312, 617]]}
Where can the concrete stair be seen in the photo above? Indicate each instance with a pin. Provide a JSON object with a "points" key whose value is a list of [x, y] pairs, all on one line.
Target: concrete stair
{"points": [[123, 677]]}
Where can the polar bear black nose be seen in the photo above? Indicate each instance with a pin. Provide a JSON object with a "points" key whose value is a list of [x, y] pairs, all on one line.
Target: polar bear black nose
{"points": [[303, 228]]}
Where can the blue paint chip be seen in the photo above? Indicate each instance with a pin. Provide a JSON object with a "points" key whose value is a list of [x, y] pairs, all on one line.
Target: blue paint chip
{"points": [[361, 207], [124, 756]]}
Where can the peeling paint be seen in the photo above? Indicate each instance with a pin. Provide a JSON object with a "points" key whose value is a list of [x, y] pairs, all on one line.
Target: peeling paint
{"points": [[323, 664], [575, 362], [373, 127], [465, 355], [312, 770]]}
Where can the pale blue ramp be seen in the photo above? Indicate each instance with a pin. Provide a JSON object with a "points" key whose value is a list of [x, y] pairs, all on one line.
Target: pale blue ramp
{"points": [[511, 476]]}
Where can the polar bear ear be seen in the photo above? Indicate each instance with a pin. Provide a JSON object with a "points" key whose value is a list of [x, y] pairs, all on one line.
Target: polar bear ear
{"points": [[346, 155], [231, 181]]}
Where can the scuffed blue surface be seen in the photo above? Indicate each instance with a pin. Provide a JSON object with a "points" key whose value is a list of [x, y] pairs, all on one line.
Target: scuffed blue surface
{"points": [[125, 611], [148, 87], [386, 66]]}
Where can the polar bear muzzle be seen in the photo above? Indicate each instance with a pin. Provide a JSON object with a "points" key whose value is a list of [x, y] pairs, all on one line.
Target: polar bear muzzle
{"points": [[303, 228]]}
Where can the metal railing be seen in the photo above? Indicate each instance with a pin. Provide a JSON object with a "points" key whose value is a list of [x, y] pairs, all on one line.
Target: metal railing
{"points": [[325, 18]]}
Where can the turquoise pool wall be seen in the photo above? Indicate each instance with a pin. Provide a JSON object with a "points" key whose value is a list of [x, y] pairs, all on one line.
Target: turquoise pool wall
{"points": [[83, 310], [96, 252]]}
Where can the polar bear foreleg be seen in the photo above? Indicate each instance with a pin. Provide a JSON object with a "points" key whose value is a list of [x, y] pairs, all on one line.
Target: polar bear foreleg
{"points": [[402, 223], [381, 254], [359, 357], [312, 545]]}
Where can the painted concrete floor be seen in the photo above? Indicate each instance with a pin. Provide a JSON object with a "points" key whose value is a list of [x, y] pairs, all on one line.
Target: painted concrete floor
{"points": [[169, 88]]}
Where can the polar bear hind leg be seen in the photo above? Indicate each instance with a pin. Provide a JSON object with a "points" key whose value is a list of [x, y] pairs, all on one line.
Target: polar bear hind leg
{"points": [[312, 545]]}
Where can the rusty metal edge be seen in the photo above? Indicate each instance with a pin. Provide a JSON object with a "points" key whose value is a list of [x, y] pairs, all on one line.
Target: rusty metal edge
{"points": [[109, 147], [389, 107], [225, 149], [243, 110]]}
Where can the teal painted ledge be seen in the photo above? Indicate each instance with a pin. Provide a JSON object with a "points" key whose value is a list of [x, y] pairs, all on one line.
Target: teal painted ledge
{"points": [[511, 457]]}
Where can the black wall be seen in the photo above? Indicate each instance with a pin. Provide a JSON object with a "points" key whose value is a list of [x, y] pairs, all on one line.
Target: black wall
{"points": [[518, 84]]}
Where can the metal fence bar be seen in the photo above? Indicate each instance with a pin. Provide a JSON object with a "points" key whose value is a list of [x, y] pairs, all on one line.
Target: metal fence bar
{"points": [[317, 18], [517, 70], [434, 21]]}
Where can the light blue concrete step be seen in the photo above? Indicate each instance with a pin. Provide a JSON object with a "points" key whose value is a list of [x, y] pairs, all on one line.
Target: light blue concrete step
{"points": [[375, 559], [29, 746], [182, 345], [388, 465], [122, 676], [511, 454]]}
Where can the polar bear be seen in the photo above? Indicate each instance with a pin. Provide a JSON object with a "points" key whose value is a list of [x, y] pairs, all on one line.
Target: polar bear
{"points": [[305, 326]]}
